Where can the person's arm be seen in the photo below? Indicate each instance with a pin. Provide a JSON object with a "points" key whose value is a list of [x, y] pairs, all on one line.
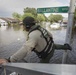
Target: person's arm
{"points": [[20, 54], [27, 47]]}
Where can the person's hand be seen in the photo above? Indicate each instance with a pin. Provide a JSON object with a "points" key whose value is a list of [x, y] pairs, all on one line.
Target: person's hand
{"points": [[2, 61]]}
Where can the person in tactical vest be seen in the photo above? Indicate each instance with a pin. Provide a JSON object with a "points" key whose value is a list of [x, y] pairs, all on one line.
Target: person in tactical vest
{"points": [[39, 40]]}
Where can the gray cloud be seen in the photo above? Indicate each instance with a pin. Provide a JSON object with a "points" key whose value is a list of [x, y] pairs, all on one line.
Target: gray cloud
{"points": [[5, 13], [7, 7]]}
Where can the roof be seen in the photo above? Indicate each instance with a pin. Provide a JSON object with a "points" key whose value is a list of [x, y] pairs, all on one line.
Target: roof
{"points": [[9, 19]]}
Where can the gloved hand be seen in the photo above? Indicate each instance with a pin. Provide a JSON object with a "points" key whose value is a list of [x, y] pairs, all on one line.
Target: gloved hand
{"points": [[67, 46]]}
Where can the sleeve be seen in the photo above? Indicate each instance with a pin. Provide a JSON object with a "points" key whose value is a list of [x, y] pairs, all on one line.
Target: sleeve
{"points": [[27, 47]]}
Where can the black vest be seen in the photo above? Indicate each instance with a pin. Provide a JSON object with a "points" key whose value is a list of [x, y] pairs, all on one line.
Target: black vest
{"points": [[49, 40]]}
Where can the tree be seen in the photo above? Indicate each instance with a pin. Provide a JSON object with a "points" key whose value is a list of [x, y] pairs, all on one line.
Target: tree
{"points": [[40, 17], [51, 18], [27, 14], [55, 18], [17, 16], [33, 11]]}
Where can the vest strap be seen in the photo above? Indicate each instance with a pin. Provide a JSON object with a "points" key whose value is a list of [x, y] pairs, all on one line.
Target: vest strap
{"points": [[48, 48]]}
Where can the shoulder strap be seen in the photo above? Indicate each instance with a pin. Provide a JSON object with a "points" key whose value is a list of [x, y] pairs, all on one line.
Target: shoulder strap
{"points": [[34, 28]]}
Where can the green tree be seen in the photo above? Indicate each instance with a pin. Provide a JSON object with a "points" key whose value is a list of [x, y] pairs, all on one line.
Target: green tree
{"points": [[27, 14], [17, 16], [33, 11], [41, 17], [51, 18], [55, 18]]}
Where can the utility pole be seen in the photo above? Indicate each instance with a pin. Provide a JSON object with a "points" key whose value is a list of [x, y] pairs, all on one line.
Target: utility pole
{"points": [[69, 28]]}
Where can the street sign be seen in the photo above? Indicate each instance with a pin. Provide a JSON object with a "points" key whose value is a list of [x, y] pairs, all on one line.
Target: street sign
{"points": [[53, 10]]}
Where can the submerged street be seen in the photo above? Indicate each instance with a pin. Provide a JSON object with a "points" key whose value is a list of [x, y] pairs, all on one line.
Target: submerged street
{"points": [[12, 38]]}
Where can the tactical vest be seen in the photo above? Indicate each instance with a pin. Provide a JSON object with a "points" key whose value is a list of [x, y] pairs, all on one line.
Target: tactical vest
{"points": [[49, 40]]}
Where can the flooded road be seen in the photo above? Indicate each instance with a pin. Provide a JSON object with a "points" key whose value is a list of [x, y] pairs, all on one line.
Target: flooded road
{"points": [[13, 37], [9, 34]]}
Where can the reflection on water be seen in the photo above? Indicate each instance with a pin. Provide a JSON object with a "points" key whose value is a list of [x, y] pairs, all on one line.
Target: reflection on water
{"points": [[2, 28], [59, 34], [9, 34], [13, 33], [16, 27]]}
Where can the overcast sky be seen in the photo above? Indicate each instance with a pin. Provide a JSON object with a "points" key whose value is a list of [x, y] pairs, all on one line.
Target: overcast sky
{"points": [[7, 7]]}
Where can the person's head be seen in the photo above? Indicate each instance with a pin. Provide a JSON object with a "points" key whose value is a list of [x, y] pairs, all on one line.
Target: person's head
{"points": [[28, 22]]}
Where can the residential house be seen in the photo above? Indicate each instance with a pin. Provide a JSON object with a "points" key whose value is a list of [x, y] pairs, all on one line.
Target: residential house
{"points": [[3, 22], [6, 21]]}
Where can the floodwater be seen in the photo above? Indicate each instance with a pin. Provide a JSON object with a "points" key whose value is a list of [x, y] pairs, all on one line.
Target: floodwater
{"points": [[13, 37]]}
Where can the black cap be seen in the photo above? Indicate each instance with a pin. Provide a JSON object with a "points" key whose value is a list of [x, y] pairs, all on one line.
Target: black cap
{"points": [[29, 21]]}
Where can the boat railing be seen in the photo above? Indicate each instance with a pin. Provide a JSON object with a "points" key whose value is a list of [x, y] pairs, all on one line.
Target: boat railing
{"points": [[40, 69]]}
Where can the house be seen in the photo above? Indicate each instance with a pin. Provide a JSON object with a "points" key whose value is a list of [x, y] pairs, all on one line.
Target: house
{"points": [[13, 20], [6, 21], [3, 22]]}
